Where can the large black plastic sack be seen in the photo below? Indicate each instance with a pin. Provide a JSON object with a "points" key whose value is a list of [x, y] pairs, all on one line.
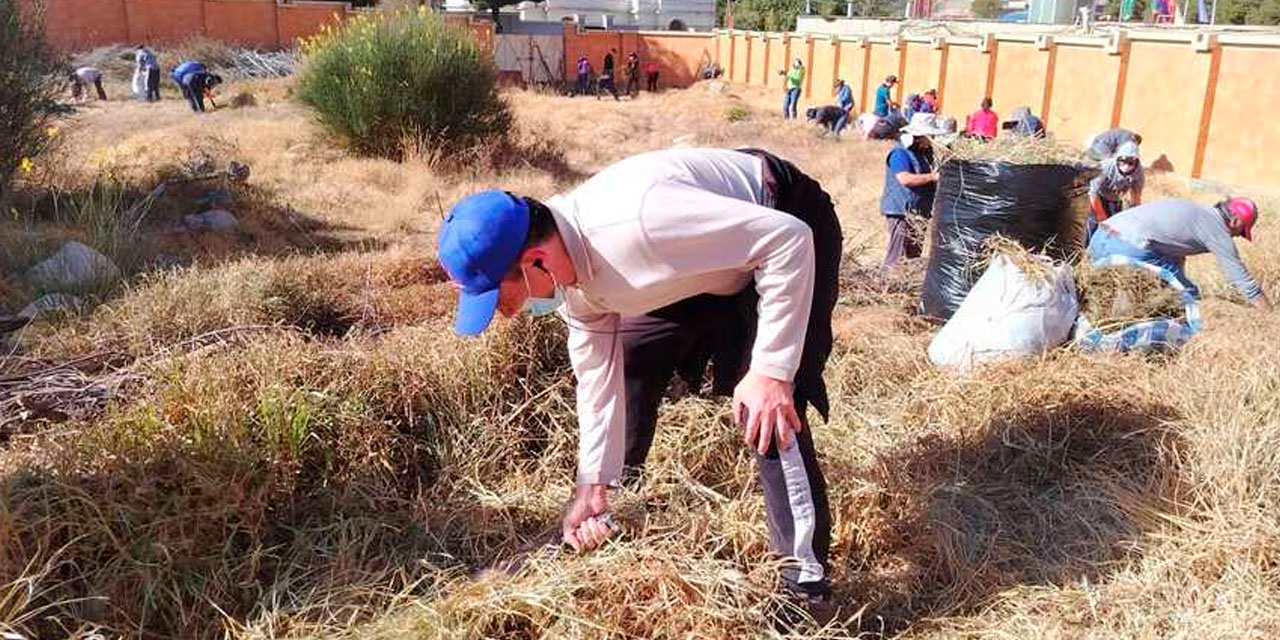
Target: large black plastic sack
{"points": [[1042, 206]]}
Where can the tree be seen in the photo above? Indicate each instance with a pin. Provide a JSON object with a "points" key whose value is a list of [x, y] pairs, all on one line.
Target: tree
{"points": [[1259, 12], [494, 7], [763, 15], [1267, 12], [1141, 8], [987, 9]]}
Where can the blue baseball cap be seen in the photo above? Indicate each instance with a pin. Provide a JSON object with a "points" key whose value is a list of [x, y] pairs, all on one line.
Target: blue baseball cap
{"points": [[479, 242]]}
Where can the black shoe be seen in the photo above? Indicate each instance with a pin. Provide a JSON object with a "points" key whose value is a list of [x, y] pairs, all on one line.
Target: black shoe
{"points": [[804, 610]]}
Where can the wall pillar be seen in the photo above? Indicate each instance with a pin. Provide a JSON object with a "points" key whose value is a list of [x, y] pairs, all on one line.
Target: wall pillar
{"points": [[834, 43], [1051, 63], [1119, 48], [901, 47], [733, 42], [1213, 51], [991, 47], [808, 67], [864, 50], [944, 50]]}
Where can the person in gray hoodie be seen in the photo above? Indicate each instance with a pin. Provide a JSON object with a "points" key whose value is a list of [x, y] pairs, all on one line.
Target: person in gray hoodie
{"points": [[1165, 232]]}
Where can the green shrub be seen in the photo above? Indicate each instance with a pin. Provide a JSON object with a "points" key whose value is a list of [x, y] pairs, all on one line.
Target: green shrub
{"points": [[386, 83], [737, 113], [29, 88]]}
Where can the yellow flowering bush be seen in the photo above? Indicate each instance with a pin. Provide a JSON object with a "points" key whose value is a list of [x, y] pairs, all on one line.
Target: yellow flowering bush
{"points": [[383, 80], [28, 94]]}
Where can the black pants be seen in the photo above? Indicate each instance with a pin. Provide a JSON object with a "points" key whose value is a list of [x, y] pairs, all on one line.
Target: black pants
{"points": [[193, 90], [683, 337], [633, 85], [653, 81], [153, 84], [605, 83]]}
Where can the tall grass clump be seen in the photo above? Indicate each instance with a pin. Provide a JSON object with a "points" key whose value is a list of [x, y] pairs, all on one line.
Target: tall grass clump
{"points": [[28, 92], [109, 217], [386, 83]]}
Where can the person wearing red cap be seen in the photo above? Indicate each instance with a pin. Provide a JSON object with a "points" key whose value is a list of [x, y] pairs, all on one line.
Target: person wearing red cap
{"points": [[659, 264], [1165, 232]]}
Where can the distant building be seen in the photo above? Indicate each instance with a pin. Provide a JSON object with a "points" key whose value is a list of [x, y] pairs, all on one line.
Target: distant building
{"points": [[658, 15]]}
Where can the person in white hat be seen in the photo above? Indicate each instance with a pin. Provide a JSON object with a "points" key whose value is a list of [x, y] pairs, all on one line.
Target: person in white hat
{"points": [[1121, 176], [910, 180]]}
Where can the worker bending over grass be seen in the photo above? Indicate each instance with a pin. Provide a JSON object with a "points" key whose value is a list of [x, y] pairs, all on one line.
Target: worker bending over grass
{"points": [[1121, 176], [1165, 232], [661, 260]]}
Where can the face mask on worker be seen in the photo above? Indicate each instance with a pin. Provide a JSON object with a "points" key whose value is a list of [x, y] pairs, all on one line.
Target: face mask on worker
{"points": [[538, 307]]}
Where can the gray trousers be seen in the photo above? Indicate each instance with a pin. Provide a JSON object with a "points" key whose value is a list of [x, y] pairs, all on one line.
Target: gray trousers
{"points": [[903, 242]]}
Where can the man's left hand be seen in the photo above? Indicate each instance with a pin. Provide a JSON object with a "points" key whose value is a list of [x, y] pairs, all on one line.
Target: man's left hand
{"points": [[765, 408]]}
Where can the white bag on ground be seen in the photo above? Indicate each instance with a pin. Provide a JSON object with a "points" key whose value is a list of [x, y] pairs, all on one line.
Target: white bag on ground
{"points": [[1007, 314], [139, 84]]}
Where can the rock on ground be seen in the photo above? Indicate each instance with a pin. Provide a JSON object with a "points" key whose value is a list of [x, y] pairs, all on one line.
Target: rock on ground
{"points": [[212, 220], [74, 267]]}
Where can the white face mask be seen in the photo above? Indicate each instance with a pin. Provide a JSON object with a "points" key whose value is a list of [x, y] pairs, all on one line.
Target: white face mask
{"points": [[538, 307]]}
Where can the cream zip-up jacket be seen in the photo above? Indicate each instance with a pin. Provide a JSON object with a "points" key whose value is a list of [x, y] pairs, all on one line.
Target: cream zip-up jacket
{"points": [[655, 229]]}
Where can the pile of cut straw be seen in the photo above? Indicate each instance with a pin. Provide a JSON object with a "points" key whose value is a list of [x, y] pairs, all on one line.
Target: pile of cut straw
{"points": [[1114, 297], [1014, 150], [1036, 266]]}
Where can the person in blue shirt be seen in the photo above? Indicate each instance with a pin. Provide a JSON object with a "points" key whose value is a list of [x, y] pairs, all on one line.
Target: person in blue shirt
{"points": [[1023, 123], [909, 184], [195, 80], [844, 100], [884, 102]]}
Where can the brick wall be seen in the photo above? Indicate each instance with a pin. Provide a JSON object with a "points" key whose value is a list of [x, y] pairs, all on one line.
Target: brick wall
{"points": [[161, 20], [246, 22], [77, 25]]}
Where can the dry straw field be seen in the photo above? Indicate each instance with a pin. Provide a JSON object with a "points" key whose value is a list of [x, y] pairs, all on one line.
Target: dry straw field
{"points": [[273, 433]]}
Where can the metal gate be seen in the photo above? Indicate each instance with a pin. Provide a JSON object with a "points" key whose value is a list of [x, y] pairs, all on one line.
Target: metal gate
{"points": [[538, 58]]}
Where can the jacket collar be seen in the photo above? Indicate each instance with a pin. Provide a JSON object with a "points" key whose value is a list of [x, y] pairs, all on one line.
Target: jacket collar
{"points": [[565, 214]]}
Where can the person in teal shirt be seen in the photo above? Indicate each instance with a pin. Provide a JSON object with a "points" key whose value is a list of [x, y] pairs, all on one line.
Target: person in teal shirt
{"points": [[791, 99], [883, 100]]}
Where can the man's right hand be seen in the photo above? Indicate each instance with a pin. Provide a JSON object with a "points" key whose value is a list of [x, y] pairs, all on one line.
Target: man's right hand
{"points": [[582, 528]]}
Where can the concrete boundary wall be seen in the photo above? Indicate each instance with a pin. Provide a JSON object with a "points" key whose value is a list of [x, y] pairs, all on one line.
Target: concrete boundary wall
{"points": [[1198, 98]]}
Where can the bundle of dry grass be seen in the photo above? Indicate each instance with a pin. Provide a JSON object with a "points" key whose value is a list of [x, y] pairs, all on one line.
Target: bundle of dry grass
{"points": [[1036, 266], [1115, 297], [1012, 149]]}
